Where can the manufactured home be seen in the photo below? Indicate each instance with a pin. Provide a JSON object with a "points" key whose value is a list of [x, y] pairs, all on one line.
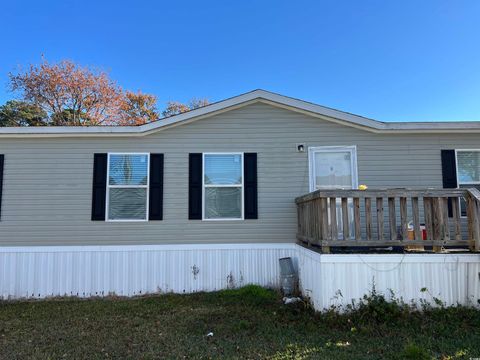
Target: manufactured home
{"points": [[214, 197]]}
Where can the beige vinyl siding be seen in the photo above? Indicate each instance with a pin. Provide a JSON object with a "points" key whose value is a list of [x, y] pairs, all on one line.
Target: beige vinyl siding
{"points": [[48, 181]]}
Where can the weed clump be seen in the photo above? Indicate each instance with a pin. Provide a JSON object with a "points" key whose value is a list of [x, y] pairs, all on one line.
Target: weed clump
{"points": [[375, 308]]}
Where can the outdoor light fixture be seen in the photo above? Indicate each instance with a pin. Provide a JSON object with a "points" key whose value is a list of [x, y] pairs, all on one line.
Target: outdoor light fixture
{"points": [[301, 148]]}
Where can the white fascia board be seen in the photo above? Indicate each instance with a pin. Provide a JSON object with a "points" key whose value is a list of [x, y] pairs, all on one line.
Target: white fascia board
{"points": [[273, 99], [465, 126]]}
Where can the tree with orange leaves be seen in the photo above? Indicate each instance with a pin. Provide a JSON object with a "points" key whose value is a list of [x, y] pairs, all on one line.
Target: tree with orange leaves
{"points": [[175, 107], [138, 108], [74, 95], [68, 94]]}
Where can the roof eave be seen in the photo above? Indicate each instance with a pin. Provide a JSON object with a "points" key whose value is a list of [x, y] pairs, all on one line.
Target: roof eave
{"points": [[240, 101]]}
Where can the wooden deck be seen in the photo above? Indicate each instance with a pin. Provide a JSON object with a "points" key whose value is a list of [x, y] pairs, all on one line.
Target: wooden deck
{"points": [[409, 218]]}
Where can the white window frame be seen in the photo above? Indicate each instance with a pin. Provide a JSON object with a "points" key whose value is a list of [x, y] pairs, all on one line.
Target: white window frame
{"points": [[147, 186], [241, 186], [458, 178], [327, 149]]}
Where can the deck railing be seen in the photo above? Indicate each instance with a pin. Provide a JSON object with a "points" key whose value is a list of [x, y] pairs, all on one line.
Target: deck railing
{"points": [[390, 217]]}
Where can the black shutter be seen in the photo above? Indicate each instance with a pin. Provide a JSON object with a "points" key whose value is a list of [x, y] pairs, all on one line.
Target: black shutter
{"points": [[99, 186], [250, 186], [195, 174], [155, 207], [2, 158], [449, 174], [449, 169]]}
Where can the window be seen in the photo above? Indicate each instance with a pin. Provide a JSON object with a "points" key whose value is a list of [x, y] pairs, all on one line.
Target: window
{"points": [[333, 167], [223, 186], [468, 172], [127, 187]]}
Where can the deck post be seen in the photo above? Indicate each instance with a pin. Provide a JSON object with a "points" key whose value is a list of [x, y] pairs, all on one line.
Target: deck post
{"points": [[473, 215]]}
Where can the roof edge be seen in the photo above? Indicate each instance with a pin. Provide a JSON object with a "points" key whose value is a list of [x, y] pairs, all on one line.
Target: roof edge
{"points": [[258, 95]]}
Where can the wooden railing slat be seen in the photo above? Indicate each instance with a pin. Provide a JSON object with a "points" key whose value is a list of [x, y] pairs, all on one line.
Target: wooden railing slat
{"points": [[380, 229], [403, 218], [356, 218], [368, 218], [333, 218], [303, 219], [324, 217], [428, 214], [298, 220], [325, 227], [416, 219], [438, 223], [392, 218], [306, 222], [445, 221], [308, 225], [317, 212], [345, 221], [437, 219], [457, 224]]}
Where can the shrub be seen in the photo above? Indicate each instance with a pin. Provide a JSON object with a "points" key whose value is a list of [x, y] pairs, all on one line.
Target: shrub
{"points": [[374, 307]]}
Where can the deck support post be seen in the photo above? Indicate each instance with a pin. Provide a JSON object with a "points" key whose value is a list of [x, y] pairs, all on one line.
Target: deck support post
{"points": [[473, 215]]}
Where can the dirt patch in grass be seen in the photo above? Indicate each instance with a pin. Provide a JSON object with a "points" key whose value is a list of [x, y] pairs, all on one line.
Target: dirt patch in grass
{"points": [[246, 323]]}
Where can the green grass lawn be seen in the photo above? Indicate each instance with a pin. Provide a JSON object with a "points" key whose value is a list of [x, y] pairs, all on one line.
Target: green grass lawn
{"points": [[247, 323]]}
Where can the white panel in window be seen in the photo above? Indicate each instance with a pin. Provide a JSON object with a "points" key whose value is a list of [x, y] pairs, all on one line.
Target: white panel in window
{"points": [[333, 170], [468, 166], [128, 169], [127, 204], [223, 169], [223, 202]]}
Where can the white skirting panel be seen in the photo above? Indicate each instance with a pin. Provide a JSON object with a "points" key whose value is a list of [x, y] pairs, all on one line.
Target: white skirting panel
{"points": [[39, 272], [338, 279], [84, 271]]}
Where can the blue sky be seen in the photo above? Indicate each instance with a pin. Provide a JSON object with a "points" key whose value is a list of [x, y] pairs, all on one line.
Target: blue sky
{"points": [[388, 60]]}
